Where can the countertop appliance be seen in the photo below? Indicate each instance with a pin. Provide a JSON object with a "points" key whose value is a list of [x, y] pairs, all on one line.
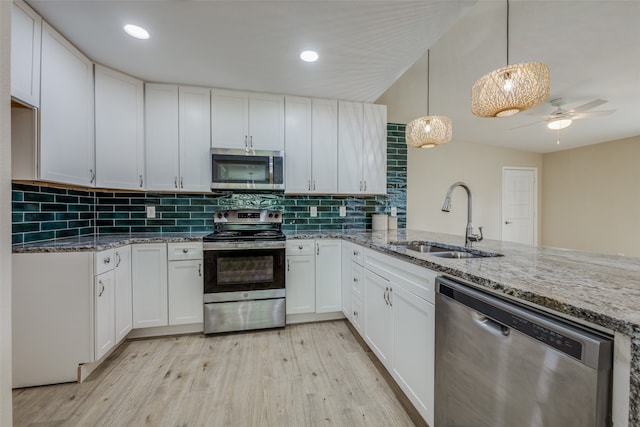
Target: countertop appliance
{"points": [[235, 169], [244, 275], [499, 364]]}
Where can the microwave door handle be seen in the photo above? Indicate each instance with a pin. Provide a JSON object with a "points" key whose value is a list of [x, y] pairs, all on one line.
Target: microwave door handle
{"points": [[271, 169]]}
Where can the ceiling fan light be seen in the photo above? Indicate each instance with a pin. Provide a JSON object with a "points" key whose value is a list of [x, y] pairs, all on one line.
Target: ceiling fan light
{"points": [[511, 89], [557, 124], [428, 131]]}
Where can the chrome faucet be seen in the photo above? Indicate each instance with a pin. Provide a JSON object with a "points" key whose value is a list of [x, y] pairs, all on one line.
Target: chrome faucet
{"points": [[469, 237]]}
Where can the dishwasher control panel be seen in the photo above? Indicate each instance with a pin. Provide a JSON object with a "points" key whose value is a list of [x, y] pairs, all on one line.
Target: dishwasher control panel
{"points": [[548, 336]]}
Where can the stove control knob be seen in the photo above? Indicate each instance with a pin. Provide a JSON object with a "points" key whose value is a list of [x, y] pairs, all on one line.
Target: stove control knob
{"points": [[219, 215], [270, 215], [277, 215], [226, 214]]}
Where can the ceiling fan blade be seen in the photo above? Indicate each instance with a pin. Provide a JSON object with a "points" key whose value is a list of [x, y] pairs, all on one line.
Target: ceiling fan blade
{"points": [[529, 124], [588, 114], [588, 106]]}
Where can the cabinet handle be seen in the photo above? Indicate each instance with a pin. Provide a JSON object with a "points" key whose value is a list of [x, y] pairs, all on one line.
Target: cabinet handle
{"points": [[107, 260], [101, 289], [317, 248], [389, 297], [118, 259], [251, 141], [288, 265], [300, 247], [246, 143], [355, 279], [141, 181], [355, 314], [314, 185], [185, 251], [92, 174], [356, 253], [360, 185], [309, 184], [181, 182], [175, 181], [365, 185], [200, 270], [386, 296]]}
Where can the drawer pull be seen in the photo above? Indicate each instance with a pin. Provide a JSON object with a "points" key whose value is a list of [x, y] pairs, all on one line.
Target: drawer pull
{"points": [[355, 279], [200, 270], [107, 260], [356, 253], [301, 247], [185, 251]]}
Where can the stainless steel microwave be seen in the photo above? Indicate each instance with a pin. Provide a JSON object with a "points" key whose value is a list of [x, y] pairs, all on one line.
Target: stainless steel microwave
{"points": [[236, 169]]}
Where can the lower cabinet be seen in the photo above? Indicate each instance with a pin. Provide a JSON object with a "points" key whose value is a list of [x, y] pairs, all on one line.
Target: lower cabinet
{"points": [[378, 324], [185, 292], [328, 275], [123, 293], [104, 293], [300, 283], [149, 276]]}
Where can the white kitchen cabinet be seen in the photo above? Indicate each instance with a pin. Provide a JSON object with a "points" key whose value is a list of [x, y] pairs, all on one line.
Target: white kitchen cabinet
{"points": [[119, 115], [328, 275], [149, 283], [177, 138], [301, 276], [195, 138], [346, 280], [362, 149], [104, 294], [123, 293], [248, 121], [26, 28], [311, 134], [378, 323], [185, 283], [66, 112]]}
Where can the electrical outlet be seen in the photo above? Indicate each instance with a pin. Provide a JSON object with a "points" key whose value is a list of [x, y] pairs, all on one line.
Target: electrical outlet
{"points": [[394, 211], [313, 211], [343, 211], [151, 211]]}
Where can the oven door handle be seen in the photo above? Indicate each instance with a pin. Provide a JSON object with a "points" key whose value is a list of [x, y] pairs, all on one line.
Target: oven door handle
{"points": [[244, 246]]}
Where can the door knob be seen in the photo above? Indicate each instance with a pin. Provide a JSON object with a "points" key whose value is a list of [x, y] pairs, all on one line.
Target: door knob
{"points": [[507, 222]]}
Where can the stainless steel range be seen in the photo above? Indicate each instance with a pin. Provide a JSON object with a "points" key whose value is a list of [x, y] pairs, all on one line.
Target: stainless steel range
{"points": [[244, 275]]}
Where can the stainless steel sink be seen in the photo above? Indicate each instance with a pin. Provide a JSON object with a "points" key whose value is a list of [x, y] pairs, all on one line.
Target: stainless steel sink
{"points": [[444, 251], [458, 254], [425, 248]]}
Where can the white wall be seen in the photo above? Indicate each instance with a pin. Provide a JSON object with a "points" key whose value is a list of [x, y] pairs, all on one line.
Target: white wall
{"points": [[5, 215], [431, 172], [591, 199]]}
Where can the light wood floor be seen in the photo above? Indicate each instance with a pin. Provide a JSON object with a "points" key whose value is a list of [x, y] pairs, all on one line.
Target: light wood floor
{"points": [[304, 375]]}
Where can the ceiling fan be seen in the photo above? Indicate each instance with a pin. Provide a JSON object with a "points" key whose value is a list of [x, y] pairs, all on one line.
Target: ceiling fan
{"points": [[561, 118]]}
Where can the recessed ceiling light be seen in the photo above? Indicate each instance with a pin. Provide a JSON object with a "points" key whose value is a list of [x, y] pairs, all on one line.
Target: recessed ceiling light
{"points": [[309, 56], [137, 32]]}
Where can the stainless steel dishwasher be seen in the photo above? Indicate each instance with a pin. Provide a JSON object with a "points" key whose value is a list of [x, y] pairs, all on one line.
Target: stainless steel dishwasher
{"points": [[498, 364]]}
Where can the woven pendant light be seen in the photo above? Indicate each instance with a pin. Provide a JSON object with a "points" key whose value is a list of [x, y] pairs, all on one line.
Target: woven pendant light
{"points": [[428, 131], [511, 89]]}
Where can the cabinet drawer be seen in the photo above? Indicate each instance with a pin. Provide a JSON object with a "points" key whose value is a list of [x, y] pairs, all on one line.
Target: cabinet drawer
{"points": [[357, 254], [184, 250], [357, 279], [105, 261], [300, 247]]}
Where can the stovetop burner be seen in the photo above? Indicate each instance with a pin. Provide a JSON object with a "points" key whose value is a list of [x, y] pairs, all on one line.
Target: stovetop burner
{"points": [[246, 225]]}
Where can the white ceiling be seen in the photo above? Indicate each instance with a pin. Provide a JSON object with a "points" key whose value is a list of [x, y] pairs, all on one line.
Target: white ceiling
{"points": [[591, 46]]}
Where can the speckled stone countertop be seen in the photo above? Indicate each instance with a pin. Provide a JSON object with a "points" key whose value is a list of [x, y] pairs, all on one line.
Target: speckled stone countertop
{"points": [[600, 289]]}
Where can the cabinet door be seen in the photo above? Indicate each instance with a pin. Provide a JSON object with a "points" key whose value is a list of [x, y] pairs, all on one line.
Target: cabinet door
{"points": [[346, 279], [298, 144], [413, 349], [266, 122], [161, 137], [149, 282], [123, 293], [328, 275], [119, 130], [324, 148], [26, 27], [378, 321], [300, 282], [66, 112], [229, 119], [105, 334], [350, 148], [374, 148], [185, 292], [195, 139]]}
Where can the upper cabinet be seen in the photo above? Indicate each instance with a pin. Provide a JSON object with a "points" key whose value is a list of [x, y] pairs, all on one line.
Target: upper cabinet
{"points": [[119, 130], [66, 112], [248, 121], [362, 153], [177, 138], [26, 27]]}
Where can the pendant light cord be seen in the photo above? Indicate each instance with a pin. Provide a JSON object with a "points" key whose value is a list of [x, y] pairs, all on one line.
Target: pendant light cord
{"points": [[428, 79], [507, 32]]}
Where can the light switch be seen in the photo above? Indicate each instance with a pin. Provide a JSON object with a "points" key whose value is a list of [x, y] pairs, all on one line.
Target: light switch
{"points": [[343, 211], [151, 211], [313, 211], [394, 211]]}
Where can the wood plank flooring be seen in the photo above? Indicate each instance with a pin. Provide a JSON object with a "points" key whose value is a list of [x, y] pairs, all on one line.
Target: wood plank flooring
{"points": [[313, 374]]}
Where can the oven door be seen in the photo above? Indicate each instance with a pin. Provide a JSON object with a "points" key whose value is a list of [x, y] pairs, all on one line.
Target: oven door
{"points": [[245, 269]]}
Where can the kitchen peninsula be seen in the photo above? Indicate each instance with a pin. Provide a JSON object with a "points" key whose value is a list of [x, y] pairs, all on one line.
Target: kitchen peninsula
{"points": [[599, 290]]}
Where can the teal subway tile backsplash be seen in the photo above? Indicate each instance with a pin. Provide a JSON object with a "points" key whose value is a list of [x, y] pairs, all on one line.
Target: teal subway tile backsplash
{"points": [[43, 212]]}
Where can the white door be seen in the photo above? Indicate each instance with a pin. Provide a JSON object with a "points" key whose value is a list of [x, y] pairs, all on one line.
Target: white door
{"points": [[229, 119], [520, 205], [374, 149], [195, 138], [350, 147], [161, 137], [301, 283], [119, 130], [26, 28], [298, 144], [328, 275], [123, 293], [185, 292], [149, 282], [324, 146], [266, 122], [104, 297], [66, 112]]}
